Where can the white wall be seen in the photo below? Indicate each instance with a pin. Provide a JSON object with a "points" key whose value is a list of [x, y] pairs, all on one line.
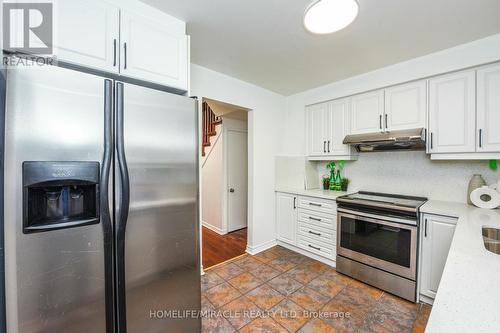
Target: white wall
{"points": [[212, 183], [404, 172], [265, 128]]}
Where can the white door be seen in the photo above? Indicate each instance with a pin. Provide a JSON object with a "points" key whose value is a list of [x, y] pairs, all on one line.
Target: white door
{"points": [[86, 33], [317, 124], [436, 235], [488, 109], [338, 128], [367, 112], [286, 217], [452, 113], [153, 51], [406, 106], [237, 179]]}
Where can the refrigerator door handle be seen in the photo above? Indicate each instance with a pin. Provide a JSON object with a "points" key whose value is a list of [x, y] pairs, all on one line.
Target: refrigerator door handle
{"points": [[123, 209], [104, 202]]}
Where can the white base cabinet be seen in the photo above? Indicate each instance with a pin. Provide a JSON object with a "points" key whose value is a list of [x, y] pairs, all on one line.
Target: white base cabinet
{"points": [[307, 223], [436, 234], [286, 217]]}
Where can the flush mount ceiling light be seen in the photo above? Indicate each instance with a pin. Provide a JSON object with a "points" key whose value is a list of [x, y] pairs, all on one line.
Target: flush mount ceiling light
{"points": [[327, 16]]}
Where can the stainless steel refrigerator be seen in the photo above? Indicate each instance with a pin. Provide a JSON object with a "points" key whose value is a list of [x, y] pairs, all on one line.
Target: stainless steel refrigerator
{"points": [[101, 187]]}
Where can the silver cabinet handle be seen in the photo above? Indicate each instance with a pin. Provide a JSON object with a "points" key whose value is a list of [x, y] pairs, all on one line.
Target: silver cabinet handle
{"points": [[324, 146], [385, 121], [425, 228], [294, 202], [314, 247], [380, 121], [125, 55], [231, 190], [480, 138], [114, 52], [314, 219], [314, 204], [328, 145], [314, 233], [432, 140]]}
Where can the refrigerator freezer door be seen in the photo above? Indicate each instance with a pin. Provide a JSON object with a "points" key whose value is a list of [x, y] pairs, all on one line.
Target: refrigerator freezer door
{"points": [[158, 244], [55, 279]]}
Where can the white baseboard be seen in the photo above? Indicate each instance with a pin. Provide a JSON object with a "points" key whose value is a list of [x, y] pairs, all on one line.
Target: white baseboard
{"points": [[314, 256], [253, 250], [214, 229], [426, 299]]}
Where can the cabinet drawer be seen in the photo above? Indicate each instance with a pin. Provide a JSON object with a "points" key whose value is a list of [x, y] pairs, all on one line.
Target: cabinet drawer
{"points": [[317, 233], [318, 205], [317, 219], [317, 247]]}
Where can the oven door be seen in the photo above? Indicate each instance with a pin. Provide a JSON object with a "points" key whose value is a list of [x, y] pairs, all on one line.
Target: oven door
{"points": [[371, 240]]}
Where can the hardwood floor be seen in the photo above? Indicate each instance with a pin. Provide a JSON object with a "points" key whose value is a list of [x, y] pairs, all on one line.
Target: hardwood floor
{"points": [[217, 248]]}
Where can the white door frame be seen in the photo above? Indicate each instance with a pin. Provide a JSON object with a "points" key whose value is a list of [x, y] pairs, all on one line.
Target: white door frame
{"points": [[225, 196], [250, 139]]}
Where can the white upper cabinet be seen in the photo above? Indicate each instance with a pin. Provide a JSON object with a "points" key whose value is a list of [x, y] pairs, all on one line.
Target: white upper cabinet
{"points": [[488, 109], [153, 51], [406, 106], [338, 120], [367, 112], [87, 33], [327, 126], [452, 109], [317, 118], [125, 37]]}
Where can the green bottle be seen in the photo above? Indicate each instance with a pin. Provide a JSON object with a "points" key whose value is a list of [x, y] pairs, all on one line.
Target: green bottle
{"points": [[332, 178], [338, 181]]}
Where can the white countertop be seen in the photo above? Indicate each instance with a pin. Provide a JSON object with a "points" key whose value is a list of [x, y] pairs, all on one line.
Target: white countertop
{"points": [[317, 193], [468, 298]]}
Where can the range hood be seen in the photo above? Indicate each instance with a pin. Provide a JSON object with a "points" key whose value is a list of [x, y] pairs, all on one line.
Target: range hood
{"points": [[412, 139]]}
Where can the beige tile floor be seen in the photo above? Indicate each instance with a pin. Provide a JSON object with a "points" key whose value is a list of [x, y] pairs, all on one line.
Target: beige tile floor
{"points": [[282, 291]]}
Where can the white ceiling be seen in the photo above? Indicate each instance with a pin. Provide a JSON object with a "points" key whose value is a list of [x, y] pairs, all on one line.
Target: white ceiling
{"points": [[264, 42]]}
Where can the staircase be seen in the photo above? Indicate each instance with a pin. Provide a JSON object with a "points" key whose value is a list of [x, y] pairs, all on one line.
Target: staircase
{"points": [[209, 121]]}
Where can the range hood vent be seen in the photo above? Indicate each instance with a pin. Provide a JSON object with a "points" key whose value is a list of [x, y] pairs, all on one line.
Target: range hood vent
{"points": [[413, 139]]}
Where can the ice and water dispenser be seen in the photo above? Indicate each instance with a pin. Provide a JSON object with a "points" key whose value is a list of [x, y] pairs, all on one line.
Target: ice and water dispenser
{"points": [[58, 195]]}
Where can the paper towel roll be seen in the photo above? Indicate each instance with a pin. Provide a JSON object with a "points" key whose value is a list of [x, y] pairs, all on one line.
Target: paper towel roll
{"points": [[485, 197]]}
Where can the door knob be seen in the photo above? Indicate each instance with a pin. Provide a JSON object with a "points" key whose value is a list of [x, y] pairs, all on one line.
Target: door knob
{"points": [[231, 190]]}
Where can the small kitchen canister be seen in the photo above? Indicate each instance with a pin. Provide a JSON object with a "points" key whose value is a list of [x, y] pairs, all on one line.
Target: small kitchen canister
{"points": [[475, 182]]}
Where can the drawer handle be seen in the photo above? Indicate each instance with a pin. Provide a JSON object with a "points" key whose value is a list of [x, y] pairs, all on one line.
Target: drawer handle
{"points": [[314, 204], [314, 247], [314, 218], [314, 233]]}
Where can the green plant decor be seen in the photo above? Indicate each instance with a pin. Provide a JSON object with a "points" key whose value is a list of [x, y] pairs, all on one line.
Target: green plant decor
{"points": [[493, 164]]}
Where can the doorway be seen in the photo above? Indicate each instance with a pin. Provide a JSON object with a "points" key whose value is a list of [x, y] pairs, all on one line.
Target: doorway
{"points": [[224, 181]]}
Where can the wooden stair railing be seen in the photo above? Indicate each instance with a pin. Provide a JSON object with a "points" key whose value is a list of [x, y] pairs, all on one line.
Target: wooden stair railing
{"points": [[209, 121]]}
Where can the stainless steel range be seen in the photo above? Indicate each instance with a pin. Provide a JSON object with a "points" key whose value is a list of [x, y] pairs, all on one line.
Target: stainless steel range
{"points": [[377, 236]]}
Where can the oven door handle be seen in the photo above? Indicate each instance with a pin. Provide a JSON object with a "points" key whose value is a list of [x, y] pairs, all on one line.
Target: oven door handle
{"points": [[397, 222]]}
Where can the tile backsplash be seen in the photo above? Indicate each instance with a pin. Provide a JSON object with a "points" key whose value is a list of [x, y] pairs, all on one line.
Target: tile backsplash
{"points": [[413, 173]]}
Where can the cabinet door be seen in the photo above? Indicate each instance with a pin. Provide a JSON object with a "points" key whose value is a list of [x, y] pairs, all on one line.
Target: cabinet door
{"points": [[452, 120], [488, 109], [367, 112], [317, 116], [86, 33], [406, 106], [153, 51], [286, 217], [338, 127], [436, 234]]}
